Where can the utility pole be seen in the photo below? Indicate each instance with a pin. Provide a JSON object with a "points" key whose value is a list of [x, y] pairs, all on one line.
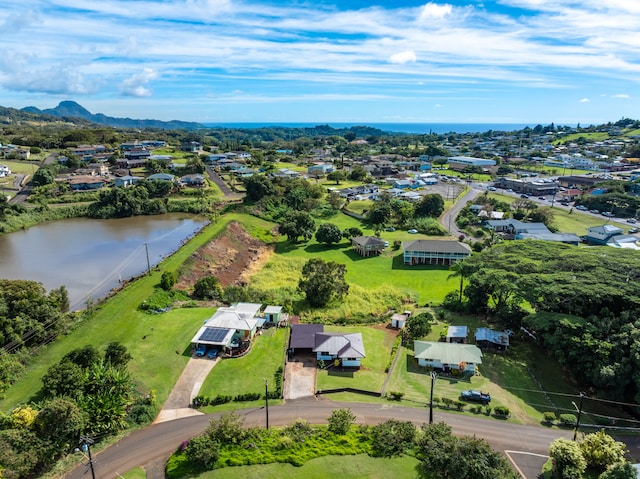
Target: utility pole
{"points": [[579, 409], [146, 247], [434, 376], [85, 442], [266, 401]]}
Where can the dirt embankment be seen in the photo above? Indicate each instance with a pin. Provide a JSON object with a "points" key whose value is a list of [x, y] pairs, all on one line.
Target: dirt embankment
{"points": [[232, 257]]}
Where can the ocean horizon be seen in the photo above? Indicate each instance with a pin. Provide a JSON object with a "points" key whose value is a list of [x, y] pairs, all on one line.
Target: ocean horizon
{"points": [[415, 128]]}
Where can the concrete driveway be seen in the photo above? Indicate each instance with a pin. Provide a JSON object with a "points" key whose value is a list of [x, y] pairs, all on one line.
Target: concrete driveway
{"points": [[188, 386], [300, 377]]}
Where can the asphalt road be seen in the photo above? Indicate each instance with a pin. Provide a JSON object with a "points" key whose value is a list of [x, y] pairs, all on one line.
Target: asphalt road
{"points": [[157, 442]]}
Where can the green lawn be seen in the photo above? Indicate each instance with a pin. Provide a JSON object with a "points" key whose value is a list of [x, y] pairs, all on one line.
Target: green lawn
{"points": [[371, 376], [247, 374], [137, 473], [360, 466]]}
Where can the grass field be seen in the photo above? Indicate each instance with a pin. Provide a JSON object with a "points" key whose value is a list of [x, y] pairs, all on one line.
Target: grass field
{"points": [[384, 276], [347, 467], [137, 473], [247, 374], [377, 343]]}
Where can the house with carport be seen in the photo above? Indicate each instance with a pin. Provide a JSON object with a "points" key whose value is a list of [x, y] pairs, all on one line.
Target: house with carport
{"points": [[367, 245], [346, 350], [448, 357]]}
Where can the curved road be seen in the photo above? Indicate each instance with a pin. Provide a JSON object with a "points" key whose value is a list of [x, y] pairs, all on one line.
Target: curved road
{"points": [[155, 443]]}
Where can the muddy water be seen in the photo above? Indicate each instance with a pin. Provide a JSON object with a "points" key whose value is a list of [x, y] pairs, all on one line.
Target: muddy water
{"points": [[90, 257]]}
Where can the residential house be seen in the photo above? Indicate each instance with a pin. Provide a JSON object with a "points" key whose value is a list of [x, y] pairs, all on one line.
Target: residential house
{"points": [[320, 169], [448, 357], [521, 230], [193, 180], [137, 154], [86, 182], [161, 177], [126, 181], [461, 162], [487, 338], [367, 245], [444, 252], [131, 162], [94, 169], [191, 146], [230, 328], [344, 349], [457, 334], [601, 235], [4, 171], [285, 173]]}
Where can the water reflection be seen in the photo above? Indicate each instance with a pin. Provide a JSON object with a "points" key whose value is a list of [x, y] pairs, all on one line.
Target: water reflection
{"points": [[90, 256]]}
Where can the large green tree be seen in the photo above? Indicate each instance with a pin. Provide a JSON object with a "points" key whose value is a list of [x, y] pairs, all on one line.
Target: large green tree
{"points": [[328, 233], [323, 281], [296, 225]]}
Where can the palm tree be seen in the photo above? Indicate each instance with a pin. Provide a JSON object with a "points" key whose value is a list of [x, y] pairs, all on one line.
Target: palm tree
{"points": [[460, 270]]}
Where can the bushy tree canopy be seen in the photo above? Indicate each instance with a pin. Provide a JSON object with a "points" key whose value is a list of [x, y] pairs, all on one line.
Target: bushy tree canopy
{"points": [[323, 281]]}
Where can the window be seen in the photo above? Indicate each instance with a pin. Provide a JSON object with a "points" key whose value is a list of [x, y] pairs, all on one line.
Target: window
{"points": [[325, 353]]}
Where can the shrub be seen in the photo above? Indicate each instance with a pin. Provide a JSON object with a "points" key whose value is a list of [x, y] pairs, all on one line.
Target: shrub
{"points": [[567, 459], [396, 395], [459, 405], [392, 437], [207, 287], [568, 420], [168, 280], [549, 417], [340, 421], [501, 411], [202, 452]]}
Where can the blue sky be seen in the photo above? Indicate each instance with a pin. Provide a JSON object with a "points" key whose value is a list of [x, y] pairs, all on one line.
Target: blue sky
{"points": [[356, 61]]}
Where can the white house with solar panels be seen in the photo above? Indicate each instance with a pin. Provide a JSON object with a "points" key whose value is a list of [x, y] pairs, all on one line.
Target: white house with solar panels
{"points": [[230, 328]]}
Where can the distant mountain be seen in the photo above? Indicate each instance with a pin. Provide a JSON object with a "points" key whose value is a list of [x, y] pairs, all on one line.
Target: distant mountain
{"points": [[71, 109]]}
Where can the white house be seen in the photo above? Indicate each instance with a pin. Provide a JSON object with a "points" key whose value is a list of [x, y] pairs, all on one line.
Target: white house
{"points": [[347, 349], [448, 356]]}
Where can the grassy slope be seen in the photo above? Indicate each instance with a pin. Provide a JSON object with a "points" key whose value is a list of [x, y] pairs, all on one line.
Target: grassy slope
{"points": [[364, 275], [160, 357], [346, 467]]}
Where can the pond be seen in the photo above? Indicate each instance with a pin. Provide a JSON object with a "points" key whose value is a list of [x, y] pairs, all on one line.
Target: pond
{"points": [[91, 257]]}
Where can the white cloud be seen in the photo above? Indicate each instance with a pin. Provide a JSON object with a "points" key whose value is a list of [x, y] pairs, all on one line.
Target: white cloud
{"points": [[135, 85], [433, 10], [403, 57], [584, 100], [621, 95]]}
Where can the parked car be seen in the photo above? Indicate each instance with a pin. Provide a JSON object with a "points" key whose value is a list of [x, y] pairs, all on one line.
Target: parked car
{"points": [[595, 212], [582, 208], [475, 396], [608, 214], [212, 353], [412, 231], [633, 230], [493, 188], [201, 350], [390, 228], [524, 195], [631, 220]]}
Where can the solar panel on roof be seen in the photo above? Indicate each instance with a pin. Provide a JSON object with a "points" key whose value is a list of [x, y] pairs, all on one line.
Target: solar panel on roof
{"points": [[213, 335]]}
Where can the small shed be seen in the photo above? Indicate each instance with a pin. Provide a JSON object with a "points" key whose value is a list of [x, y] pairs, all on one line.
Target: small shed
{"points": [[457, 334], [272, 314], [398, 320]]}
